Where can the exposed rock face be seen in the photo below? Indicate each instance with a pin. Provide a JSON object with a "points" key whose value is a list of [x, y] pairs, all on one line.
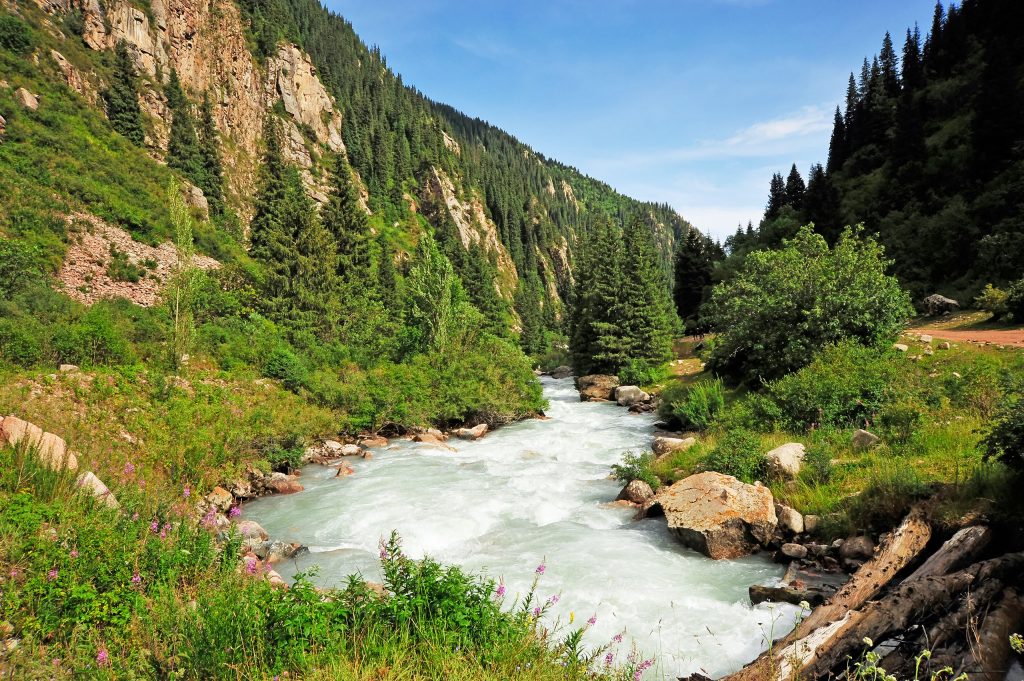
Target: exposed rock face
{"points": [[73, 78], [718, 515], [635, 492], [474, 433], [784, 462], [294, 80], [597, 387], [628, 395], [26, 99], [862, 439], [666, 445]]}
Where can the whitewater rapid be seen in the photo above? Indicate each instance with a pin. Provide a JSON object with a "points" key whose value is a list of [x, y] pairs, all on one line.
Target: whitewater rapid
{"points": [[530, 493]]}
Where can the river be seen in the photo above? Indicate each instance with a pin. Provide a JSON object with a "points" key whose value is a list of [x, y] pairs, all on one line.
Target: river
{"points": [[530, 493]]}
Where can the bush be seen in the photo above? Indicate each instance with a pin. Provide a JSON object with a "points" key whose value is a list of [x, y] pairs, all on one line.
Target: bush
{"points": [[121, 268], [900, 421], [1015, 301], [1005, 438], [699, 405], [738, 454], [641, 372], [285, 365], [21, 342], [784, 306], [636, 467], [15, 34], [93, 340], [992, 300], [817, 468]]}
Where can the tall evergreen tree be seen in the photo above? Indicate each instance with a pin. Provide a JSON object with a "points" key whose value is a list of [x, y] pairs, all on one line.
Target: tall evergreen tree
{"points": [[644, 306], [889, 66], [795, 189], [777, 198], [693, 266], [911, 72], [209, 155], [122, 97], [837, 144], [270, 241], [594, 344], [347, 222], [821, 204]]}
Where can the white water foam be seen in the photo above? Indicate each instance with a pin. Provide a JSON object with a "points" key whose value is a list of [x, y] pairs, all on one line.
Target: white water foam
{"points": [[529, 493]]}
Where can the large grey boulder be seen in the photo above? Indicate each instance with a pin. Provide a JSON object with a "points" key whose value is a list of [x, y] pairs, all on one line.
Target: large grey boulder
{"points": [[26, 99], [474, 433], [862, 439], [789, 519], [784, 462], [717, 514], [628, 395], [89, 483], [597, 387], [635, 492], [936, 304], [561, 372]]}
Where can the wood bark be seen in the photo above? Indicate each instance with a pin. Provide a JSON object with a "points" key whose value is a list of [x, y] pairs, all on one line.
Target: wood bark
{"points": [[989, 657], [957, 551]]}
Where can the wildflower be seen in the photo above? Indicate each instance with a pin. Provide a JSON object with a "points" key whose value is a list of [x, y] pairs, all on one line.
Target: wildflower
{"points": [[210, 518], [500, 592], [868, 642], [608, 659], [102, 657], [52, 574], [129, 468], [135, 516], [74, 553], [163, 533], [593, 620], [540, 569], [154, 527], [250, 566], [234, 512], [617, 638], [536, 612], [187, 492], [553, 599], [136, 578], [14, 573]]}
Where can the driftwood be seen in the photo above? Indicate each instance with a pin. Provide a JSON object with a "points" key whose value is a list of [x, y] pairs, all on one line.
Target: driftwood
{"points": [[785, 658], [959, 550], [990, 654]]}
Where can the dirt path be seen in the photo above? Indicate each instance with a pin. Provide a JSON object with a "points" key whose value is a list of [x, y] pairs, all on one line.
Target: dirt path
{"points": [[1011, 337]]}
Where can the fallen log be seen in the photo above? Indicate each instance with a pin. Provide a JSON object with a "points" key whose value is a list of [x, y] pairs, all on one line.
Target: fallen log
{"points": [[989, 656], [957, 551], [896, 553]]}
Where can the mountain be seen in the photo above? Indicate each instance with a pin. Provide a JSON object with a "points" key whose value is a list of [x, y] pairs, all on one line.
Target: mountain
{"points": [[928, 152]]}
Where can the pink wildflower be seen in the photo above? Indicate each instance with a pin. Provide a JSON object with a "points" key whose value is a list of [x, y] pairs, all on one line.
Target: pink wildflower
{"points": [[250, 566], [617, 638], [500, 592], [608, 659], [593, 619], [136, 578], [234, 512], [74, 553], [540, 569], [553, 599], [103, 657], [187, 492], [129, 468], [135, 516], [52, 574], [154, 526], [536, 612]]}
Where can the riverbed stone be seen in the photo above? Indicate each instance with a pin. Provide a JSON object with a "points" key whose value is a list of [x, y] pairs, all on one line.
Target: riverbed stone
{"points": [[284, 484], [250, 529], [784, 462], [351, 450], [790, 519], [628, 395], [597, 387], [793, 551], [717, 514], [635, 492], [474, 433], [561, 372], [811, 523], [666, 445], [220, 498], [862, 439], [374, 441]]}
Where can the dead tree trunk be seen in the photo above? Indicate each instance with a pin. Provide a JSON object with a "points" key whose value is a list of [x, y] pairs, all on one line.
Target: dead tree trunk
{"points": [[990, 652], [959, 550]]}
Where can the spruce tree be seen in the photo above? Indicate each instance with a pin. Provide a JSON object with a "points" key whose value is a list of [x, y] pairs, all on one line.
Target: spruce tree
{"points": [[313, 282], [209, 154], [644, 306], [122, 97], [347, 222], [795, 189], [693, 266], [183, 148], [837, 144], [777, 197], [594, 332], [271, 244], [889, 67]]}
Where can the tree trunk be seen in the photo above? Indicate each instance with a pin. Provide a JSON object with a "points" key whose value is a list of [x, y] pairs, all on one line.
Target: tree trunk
{"points": [[990, 652], [958, 551]]}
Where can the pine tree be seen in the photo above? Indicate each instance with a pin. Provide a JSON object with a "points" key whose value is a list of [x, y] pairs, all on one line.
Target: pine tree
{"points": [[594, 330], [837, 144], [795, 189], [777, 197], [387, 281], [347, 222], [122, 98], [889, 67], [270, 242], [821, 204], [693, 266], [644, 324], [313, 280], [209, 155], [183, 148], [912, 73]]}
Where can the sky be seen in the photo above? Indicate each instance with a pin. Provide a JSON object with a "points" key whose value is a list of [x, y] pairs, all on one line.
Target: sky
{"points": [[694, 103]]}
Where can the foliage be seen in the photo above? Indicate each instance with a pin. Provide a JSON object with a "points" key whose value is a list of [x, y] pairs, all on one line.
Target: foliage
{"points": [[692, 267], [785, 305], [1015, 301], [122, 97], [1004, 440], [121, 268], [21, 264], [699, 405], [15, 35], [738, 454], [641, 372], [181, 291], [992, 300], [900, 421], [636, 466]]}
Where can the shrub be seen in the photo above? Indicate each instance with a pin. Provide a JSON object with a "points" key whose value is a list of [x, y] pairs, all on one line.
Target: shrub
{"points": [[641, 372], [699, 405], [784, 305], [20, 265], [21, 342], [992, 300], [121, 268], [285, 365], [636, 467], [15, 34], [1015, 301], [738, 454], [93, 340], [900, 421], [1005, 438]]}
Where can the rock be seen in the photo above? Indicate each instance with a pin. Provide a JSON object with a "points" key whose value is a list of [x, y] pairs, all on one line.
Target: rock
{"points": [[857, 548], [3, 127], [273, 551], [944, 345], [90, 483], [220, 498], [68, 368], [284, 484], [801, 584], [928, 352], [195, 198], [597, 387], [793, 551], [241, 489], [367, 455], [628, 395], [811, 523], [474, 433], [344, 470], [925, 338], [666, 445], [374, 442], [717, 514], [250, 529], [276, 580], [561, 372], [862, 439], [635, 492], [900, 347], [789, 519], [351, 450], [26, 99], [936, 304], [784, 462], [51, 449], [429, 439]]}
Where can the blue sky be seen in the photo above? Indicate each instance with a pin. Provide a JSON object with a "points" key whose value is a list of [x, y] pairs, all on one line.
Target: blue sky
{"points": [[690, 102]]}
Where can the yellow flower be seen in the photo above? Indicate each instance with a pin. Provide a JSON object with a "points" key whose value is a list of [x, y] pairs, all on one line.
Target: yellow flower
{"points": [[572, 616]]}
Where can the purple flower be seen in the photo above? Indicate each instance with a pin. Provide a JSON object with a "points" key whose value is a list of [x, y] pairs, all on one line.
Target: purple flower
{"points": [[250, 566], [608, 659], [154, 526], [14, 573], [163, 533], [210, 518], [102, 657], [129, 468], [136, 578], [536, 612], [553, 599], [500, 592], [74, 553], [540, 569], [187, 492], [234, 512], [617, 638], [593, 619], [52, 574]]}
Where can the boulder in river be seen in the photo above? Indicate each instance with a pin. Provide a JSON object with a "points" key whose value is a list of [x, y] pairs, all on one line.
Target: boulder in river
{"points": [[628, 395], [784, 462], [635, 492], [220, 498], [374, 441], [597, 387], [789, 519], [284, 484], [717, 514], [561, 372], [474, 433]]}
